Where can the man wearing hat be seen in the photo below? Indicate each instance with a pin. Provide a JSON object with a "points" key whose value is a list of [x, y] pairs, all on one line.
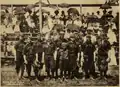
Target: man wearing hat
{"points": [[88, 49], [117, 21], [91, 34], [104, 21], [39, 51], [29, 56], [19, 47], [24, 27], [103, 58], [109, 15], [58, 43], [49, 50], [39, 47], [63, 59], [98, 14], [73, 50], [78, 37], [56, 17]]}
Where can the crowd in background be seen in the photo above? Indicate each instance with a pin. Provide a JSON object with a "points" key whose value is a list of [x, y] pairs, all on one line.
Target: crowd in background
{"points": [[29, 22]]}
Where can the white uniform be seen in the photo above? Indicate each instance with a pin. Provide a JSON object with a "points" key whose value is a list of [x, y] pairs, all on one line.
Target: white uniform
{"points": [[56, 20], [17, 28], [69, 22], [67, 35], [50, 22], [78, 22]]}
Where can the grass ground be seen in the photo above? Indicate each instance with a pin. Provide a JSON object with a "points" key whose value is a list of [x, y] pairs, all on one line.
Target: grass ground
{"points": [[9, 78]]}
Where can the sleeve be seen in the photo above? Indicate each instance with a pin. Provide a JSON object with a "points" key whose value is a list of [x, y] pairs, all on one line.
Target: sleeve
{"points": [[35, 47], [44, 47], [13, 51], [16, 46], [109, 46], [113, 26], [25, 50], [27, 24], [83, 47], [94, 48], [68, 46], [80, 48], [54, 46], [20, 26]]}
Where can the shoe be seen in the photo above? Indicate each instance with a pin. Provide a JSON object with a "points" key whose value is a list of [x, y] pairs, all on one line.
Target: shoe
{"points": [[76, 79], [104, 78], [48, 78], [60, 80], [99, 78], [83, 78], [92, 78], [52, 79], [37, 80], [66, 80]]}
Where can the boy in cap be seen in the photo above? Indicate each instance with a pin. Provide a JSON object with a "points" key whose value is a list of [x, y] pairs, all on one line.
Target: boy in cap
{"points": [[88, 49], [49, 50], [103, 60], [19, 47], [63, 60], [29, 56], [73, 50]]}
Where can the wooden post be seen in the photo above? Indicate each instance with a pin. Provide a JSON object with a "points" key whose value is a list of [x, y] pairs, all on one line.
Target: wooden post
{"points": [[12, 8], [81, 9], [0, 15], [40, 16]]}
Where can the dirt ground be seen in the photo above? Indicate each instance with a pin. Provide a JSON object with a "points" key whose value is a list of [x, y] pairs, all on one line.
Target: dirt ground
{"points": [[9, 78]]}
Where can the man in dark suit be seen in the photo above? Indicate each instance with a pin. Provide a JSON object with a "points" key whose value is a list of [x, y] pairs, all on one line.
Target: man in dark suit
{"points": [[19, 47], [88, 49]]}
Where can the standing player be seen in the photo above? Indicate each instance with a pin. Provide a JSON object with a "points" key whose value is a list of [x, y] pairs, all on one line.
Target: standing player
{"points": [[19, 47], [88, 49], [49, 49], [29, 56]]}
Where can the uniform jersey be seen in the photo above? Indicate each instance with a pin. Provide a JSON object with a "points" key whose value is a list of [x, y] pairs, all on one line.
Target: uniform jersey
{"points": [[49, 49], [78, 39], [72, 48], [39, 46], [29, 50], [103, 48], [63, 54], [88, 48], [19, 46], [24, 27]]}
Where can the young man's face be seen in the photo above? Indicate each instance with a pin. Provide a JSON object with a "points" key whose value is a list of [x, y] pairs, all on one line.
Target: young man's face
{"points": [[72, 39], [64, 47], [89, 32], [88, 39], [106, 39], [20, 37], [98, 13], [28, 40]]}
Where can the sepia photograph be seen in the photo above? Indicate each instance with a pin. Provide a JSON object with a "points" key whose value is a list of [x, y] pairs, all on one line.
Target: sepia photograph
{"points": [[59, 43]]}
